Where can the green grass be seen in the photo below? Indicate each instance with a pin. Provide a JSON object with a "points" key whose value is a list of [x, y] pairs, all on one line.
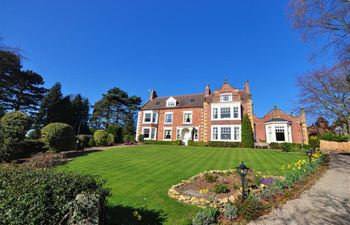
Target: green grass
{"points": [[140, 176]]}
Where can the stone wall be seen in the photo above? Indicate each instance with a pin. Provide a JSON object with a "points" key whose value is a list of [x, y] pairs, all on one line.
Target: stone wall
{"points": [[332, 146]]}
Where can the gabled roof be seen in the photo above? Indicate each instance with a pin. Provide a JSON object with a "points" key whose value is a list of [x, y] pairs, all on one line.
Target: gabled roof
{"points": [[183, 101], [277, 120]]}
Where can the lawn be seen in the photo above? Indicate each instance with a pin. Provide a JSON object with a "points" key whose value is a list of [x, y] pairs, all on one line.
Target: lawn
{"points": [[140, 176]]}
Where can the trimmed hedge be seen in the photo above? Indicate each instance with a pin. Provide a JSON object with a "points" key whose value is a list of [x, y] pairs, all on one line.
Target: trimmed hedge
{"points": [[42, 196], [100, 137], [151, 142], [275, 145], [197, 143], [224, 144], [58, 137], [110, 139], [334, 137]]}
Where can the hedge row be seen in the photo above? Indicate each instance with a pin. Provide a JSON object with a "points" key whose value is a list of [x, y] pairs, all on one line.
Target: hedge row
{"points": [[215, 144], [177, 142], [41, 196]]}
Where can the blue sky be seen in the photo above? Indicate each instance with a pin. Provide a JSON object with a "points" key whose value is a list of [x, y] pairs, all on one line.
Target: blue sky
{"points": [[174, 47]]}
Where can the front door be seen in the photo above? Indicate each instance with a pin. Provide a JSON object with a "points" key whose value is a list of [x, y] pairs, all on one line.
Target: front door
{"points": [[186, 135]]}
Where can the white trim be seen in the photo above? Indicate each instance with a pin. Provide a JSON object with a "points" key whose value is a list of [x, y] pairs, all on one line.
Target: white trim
{"points": [[232, 133], [138, 125], [230, 105], [150, 133], [230, 98], [172, 117], [171, 133], [153, 113], [183, 117], [172, 101], [271, 127]]}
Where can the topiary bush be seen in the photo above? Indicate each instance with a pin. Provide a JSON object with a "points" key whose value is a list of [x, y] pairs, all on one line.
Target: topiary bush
{"points": [[13, 128], [110, 139], [42, 196], [100, 137], [230, 211], [205, 217], [58, 137], [247, 133]]}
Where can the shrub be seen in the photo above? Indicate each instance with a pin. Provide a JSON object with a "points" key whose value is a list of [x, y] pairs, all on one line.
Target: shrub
{"points": [[334, 137], [209, 178], [132, 138], [269, 193], [275, 145], [117, 132], [84, 141], [177, 142], [126, 139], [58, 137], [286, 147], [141, 138], [100, 137], [13, 128], [45, 160], [205, 216], [46, 196], [230, 211], [92, 142], [251, 208], [314, 142], [224, 144], [220, 188], [197, 143], [247, 133], [110, 139], [31, 147]]}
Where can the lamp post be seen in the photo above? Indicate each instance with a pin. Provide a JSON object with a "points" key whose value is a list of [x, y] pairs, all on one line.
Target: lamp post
{"points": [[242, 171], [309, 153]]}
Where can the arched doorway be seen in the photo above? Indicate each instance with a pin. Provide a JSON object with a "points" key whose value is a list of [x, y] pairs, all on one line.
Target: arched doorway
{"points": [[185, 135]]}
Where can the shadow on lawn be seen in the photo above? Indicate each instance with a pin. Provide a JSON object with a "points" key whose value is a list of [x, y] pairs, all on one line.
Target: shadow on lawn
{"points": [[125, 215]]}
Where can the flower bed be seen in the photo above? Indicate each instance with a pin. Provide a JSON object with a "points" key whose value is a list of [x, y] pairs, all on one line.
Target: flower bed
{"points": [[221, 189]]}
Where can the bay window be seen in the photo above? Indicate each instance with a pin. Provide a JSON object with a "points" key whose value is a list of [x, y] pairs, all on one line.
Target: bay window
{"points": [[226, 133]]}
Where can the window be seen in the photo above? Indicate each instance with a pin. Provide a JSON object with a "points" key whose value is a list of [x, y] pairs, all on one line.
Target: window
{"points": [[225, 97], [147, 118], [168, 118], [225, 133], [178, 136], [280, 133], [187, 117], [167, 134], [215, 133], [153, 133], [171, 102], [236, 133], [215, 113], [195, 134], [146, 133], [235, 112], [150, 117], [225, 112]]}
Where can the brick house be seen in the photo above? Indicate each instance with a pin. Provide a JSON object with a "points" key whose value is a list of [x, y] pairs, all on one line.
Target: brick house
{"points": [[215, 116]]}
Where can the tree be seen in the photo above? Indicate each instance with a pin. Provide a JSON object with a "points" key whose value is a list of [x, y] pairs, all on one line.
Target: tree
{"points": [[13, 127], [80, 107], [247, 133], [326, 92], [19, 90], [324, 21]]}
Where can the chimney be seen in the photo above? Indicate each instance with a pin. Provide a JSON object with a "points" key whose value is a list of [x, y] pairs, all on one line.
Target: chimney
{"points": [[247, 90], [153, 95], [207, 90]]}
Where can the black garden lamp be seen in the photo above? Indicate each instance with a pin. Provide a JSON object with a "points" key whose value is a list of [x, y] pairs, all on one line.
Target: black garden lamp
{"points": [[309, 153], [242, 170]]}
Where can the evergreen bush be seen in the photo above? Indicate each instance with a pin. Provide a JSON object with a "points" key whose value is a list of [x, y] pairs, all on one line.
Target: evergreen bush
{"points": [[100, 137], [247, 133], [110, 139], [58, 137]]}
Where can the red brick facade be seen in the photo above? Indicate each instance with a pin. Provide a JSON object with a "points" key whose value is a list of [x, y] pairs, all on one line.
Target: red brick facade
{"points": [[215, 116]]}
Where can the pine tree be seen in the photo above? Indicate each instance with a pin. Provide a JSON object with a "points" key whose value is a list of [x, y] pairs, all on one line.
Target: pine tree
{"points": [[247, 133], [80, 107]]}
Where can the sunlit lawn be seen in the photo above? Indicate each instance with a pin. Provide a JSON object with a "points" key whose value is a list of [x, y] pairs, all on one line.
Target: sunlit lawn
{"points": [[140, 176]]}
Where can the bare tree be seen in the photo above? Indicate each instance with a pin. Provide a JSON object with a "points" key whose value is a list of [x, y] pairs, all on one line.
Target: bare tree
{"points": [[326, 92], [323, 22]]}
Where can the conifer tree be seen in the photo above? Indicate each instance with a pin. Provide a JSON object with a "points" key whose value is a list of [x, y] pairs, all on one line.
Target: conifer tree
{"points": [[247, 133]]}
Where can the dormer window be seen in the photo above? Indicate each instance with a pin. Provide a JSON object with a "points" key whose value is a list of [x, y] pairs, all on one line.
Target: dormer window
{"points": [[225, 97], [171, 102]]}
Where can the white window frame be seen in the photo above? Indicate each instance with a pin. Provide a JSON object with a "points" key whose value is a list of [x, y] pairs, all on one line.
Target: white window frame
{"points": [[171, 133], [183, 117], [231, 105], [150, 133], [172, 117], [226, 94], [154, 114], [270, 131], [171, 102], [232, 133]]}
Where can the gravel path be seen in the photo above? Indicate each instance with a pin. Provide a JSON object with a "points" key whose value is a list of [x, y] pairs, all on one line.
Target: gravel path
{"points": [[327, 202]]}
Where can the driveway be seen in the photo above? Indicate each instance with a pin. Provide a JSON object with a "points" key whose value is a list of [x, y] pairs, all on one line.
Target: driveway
{"points": [[327, 202]]}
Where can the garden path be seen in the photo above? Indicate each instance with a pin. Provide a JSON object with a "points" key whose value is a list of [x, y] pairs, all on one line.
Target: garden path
{"points": [[327, 202]]}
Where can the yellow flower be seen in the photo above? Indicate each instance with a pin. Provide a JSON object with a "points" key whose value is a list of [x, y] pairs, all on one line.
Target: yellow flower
{"points": [[139, 217]]}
